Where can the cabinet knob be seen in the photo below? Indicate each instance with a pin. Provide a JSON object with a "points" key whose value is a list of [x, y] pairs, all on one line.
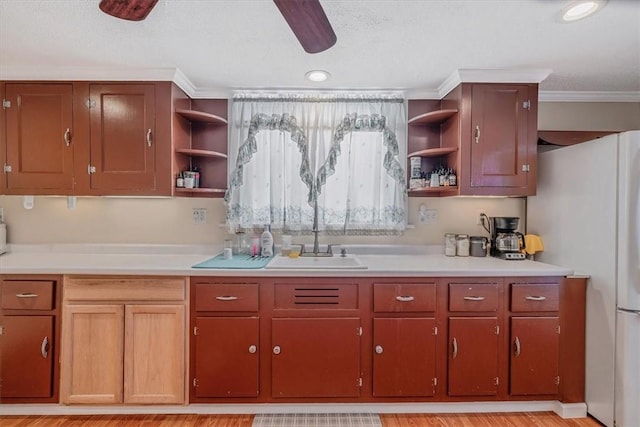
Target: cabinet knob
{"points": [[253, 349], [379, 349], [276, 349]]}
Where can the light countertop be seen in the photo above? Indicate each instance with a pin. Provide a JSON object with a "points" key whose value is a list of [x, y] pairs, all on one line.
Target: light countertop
{"points": [[176, 260]]}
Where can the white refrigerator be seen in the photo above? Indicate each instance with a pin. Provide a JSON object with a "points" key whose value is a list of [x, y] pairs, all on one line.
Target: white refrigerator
{"points": [[587, 211]]}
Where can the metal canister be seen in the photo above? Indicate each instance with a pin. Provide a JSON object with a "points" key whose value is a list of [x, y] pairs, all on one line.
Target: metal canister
{"points": [[478, 246]]}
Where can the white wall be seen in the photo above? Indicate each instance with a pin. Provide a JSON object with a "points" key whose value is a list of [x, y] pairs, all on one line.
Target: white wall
{"points": [[168, 221]]}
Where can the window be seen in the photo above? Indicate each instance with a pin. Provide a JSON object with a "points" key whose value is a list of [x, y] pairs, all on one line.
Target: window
{"points": [[292, 157]]}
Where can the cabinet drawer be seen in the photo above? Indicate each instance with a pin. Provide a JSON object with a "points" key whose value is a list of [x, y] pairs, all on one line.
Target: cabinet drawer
{"points": [[535, 297], [404, 297], [27, 295], [473, 297], [316, 296], [124, 289], [227, 297]]}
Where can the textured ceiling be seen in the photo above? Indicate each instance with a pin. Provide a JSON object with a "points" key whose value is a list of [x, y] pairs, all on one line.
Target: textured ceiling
{"points": [[382, 44]]}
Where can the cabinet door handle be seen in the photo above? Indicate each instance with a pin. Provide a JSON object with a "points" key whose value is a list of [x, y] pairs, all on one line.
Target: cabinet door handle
{"points": [[149, 139], [27, 295], [226, 298], [44, 347], [477, 134], [67, 137], [473, 298], [535, 298], [379, 349], [454, 344], [253, 349], [516, 347], [404, 298], [276, 349]]}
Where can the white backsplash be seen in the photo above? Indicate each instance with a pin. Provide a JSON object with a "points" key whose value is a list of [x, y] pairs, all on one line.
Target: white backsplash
{"points": [[170, 220]]}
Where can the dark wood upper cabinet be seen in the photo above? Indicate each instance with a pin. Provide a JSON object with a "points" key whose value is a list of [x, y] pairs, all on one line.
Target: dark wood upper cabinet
{"points": [[88, 138], [40, 138], [486, 132], [123, 137]]}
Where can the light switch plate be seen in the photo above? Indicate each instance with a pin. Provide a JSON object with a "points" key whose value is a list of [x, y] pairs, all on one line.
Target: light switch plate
{"points": [[431, 216]]}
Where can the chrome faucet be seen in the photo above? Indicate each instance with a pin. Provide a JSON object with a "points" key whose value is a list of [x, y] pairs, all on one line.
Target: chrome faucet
{"points": [[316, 246]]}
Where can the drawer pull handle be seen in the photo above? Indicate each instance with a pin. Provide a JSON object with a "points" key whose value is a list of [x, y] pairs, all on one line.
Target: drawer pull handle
{"points": [[44, 347], [253, 349], [276, 349], [27, 295], [473, 298], [405, 298], [454, 344], [535, 298], [516, 347], [379, 349], [149, 139], [226, 298], [67, 137]]}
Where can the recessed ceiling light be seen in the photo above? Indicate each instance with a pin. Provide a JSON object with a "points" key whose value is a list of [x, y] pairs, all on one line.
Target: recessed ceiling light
{"points": [[581, 9], [317, 75]]}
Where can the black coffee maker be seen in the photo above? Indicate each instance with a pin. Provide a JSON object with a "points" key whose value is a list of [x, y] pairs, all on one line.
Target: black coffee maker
{"points": [[506, 242]]}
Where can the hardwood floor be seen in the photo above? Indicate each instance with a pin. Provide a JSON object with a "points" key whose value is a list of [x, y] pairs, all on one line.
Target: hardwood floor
{"points": [[525, 419]]}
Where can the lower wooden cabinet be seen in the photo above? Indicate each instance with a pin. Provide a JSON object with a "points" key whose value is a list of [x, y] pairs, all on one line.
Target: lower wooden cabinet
{"points": [[535, 356], [315, 357], [26, 359], [130, 351], [29, 330], [404, 359], [473, 356], [226, 356]]}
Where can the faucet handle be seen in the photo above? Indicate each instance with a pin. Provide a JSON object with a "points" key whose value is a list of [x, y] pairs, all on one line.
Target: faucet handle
{"points": [[343, 251]]}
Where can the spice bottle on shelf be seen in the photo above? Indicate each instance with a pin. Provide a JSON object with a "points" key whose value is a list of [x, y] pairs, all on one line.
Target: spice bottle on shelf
{"points": [[179, 180], [196, 176]]}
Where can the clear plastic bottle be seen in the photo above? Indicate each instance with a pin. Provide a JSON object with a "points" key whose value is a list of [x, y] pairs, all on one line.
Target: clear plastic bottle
{"points": [[266, 241]]}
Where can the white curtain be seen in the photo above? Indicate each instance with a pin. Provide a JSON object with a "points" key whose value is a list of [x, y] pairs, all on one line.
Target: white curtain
{"points": [[347, 153]]}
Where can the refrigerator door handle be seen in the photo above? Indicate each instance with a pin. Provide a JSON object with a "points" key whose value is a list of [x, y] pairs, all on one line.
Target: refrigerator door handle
{"points": [[627, 310]]}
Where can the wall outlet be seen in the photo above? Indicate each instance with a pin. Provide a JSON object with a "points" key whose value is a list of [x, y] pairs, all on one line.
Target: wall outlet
{"points": [[199, 215], [430, 216]]}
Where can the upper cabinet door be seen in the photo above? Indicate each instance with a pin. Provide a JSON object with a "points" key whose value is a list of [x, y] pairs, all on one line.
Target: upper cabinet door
{"points": [[39, 135], [123, 150], [499, 135]]}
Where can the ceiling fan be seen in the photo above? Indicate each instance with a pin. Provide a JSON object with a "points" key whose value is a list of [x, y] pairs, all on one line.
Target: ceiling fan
{"points": [[306, 18]]}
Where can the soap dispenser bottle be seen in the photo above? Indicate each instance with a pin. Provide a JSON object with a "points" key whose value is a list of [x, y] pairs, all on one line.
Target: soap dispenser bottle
{"points": [[266, 241]]}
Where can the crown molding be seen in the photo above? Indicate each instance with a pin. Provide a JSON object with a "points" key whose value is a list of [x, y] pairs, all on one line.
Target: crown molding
{"points": [[497, 75], [586, 96], [181, 80]]}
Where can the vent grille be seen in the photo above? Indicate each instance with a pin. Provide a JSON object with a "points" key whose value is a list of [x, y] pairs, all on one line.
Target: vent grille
{"points": [[314, 296]]}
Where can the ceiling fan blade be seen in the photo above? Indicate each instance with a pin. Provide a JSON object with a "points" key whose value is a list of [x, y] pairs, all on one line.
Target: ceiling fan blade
{"points": [[309, 24], [131, 10]]}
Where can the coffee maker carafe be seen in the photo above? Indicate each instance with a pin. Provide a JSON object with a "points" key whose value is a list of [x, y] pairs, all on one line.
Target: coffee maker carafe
{"points": [[506, 242]]}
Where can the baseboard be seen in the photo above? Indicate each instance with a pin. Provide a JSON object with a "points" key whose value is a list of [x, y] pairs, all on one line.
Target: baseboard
{"points": [[564, 410]]}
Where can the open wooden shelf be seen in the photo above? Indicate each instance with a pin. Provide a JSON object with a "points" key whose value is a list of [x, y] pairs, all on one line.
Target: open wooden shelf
{"points": [[433, 152], [200, 153], [431, 190], [433, 117], [200, 190], [199, 116]]}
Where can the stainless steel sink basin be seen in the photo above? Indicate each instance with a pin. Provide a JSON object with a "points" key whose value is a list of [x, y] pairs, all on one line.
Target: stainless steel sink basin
{"points": [[337, 262]]}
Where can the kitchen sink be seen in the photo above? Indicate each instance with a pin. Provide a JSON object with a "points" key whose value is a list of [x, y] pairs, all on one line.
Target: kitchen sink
{"points": [[337, 262]]}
